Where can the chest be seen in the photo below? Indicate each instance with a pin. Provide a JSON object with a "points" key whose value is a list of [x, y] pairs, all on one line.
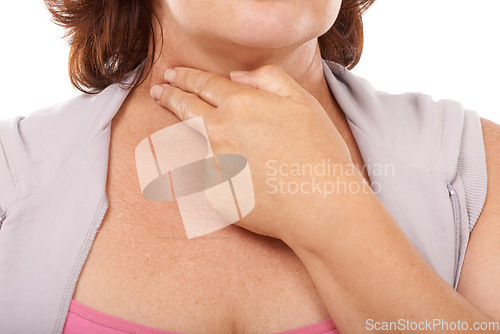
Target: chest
{"points": [[142, 268]]}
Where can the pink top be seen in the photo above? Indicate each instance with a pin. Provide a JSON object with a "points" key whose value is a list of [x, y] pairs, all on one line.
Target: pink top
{"points": [[83, 320]]}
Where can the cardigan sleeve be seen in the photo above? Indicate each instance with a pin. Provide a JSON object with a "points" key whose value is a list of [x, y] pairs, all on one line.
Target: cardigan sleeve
{"points": [[472, 166], [471, 169], [9, 190]]}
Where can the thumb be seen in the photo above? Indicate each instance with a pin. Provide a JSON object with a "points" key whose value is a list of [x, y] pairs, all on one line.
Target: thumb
{"points": [[272, 79]]}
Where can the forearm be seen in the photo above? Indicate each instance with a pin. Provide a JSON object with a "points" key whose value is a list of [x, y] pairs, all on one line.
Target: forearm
{"points": [[364, 267]]}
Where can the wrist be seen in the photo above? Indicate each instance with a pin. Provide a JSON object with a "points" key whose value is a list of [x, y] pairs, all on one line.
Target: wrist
{"points": [[317, 219]]}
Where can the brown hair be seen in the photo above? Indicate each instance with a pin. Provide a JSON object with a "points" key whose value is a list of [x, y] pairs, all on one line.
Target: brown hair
{"points": [[109, 38]]}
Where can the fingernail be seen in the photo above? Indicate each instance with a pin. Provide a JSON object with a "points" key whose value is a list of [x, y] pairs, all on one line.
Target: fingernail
{"points": [[236, 74], [156, 92], [170, 75]]}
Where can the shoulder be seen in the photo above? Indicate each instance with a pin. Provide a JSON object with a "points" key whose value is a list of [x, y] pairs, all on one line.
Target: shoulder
{"points": [[491, 135], [412, 127], [478, 282], [37, 148]]}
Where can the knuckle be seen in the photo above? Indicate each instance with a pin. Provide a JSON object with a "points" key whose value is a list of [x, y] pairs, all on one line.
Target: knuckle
{"points": [[268, 69], [212, 127], [220, 136], [237, 100], [232, 101], [166, 95], [214, 130], [202, 82], [185, 105]]}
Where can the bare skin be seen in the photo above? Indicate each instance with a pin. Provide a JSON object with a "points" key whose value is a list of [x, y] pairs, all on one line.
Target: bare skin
{"points": [[352, 288], [234, 280], [481, 269], [180, 278]]}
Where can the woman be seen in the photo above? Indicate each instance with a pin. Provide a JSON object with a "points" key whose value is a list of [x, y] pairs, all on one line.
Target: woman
{"points": [[82, 251]]}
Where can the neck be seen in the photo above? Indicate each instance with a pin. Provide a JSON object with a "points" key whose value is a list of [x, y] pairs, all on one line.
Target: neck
{"points": [[140, 115], [301, 61]]}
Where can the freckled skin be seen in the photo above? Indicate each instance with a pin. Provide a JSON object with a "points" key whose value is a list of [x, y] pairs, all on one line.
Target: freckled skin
{"points": [[140, 267]]}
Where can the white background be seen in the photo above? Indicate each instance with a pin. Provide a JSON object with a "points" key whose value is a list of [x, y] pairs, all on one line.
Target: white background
{"points": [[446, 48]]}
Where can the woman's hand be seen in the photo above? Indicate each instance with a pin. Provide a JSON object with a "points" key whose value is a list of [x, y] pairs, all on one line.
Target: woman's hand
{"points": [[267, 117], [364, 267]]}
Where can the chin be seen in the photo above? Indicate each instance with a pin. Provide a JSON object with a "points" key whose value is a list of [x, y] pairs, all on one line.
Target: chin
{"points": [[253, 23], [273, 24], [274, 32], [265, 40]]}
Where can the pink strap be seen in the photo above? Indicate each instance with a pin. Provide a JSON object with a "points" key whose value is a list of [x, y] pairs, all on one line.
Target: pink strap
{"points": [[83, 320]]}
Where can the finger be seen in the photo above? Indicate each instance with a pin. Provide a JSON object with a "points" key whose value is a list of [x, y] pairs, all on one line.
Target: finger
{"points": [[183, 104], [272, 79], [212, 88]]}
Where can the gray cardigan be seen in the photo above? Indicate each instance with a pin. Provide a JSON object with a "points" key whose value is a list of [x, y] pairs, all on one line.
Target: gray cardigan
{"points": [[53, 169]]}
